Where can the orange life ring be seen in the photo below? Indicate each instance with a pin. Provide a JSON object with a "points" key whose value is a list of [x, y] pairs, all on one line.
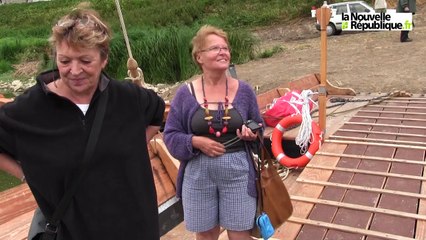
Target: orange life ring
{"points": [[277, 136]]}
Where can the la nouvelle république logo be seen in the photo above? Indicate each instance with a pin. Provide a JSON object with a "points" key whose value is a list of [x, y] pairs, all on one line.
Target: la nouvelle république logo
{"points": [[377, 21]]}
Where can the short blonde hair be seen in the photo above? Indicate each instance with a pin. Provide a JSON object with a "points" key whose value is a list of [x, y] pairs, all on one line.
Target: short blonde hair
{"points": [[199, 40], [82, 28]]}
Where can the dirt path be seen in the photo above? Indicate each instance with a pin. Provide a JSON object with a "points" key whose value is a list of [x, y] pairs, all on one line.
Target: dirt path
{"points": [[364, 61]]}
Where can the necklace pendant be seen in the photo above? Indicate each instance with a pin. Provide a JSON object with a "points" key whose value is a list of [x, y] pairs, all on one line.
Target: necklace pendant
{"points": [[225, 129], [218, 134], [211, 130]]}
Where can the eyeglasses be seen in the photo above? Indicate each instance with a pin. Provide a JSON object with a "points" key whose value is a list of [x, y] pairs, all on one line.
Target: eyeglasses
{"points": [[216, 49]]}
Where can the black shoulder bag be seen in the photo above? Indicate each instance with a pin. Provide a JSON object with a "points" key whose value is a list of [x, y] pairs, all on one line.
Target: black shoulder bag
{"points": [[52, 225]]}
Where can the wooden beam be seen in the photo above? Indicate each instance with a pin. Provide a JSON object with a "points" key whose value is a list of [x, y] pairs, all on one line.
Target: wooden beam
{"points": [[409, 98], [359, 207], [378, 140], [406, 101], [392, 106], [385, 125], [391, 112], [352, 170], [390, 118], [375, 144], [362, 188], [382, 133], [397, 160], [323, 17], [170, 163], [17, 229], [421, 225], [348, 229]]}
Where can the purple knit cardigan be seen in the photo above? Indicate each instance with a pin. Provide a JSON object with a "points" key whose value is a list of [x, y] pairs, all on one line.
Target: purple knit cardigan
{"points": [[178, 133]]}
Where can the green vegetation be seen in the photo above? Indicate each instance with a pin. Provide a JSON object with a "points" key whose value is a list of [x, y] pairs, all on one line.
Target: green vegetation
{"points": [[159, 31], [7, 181], [270, 52]]}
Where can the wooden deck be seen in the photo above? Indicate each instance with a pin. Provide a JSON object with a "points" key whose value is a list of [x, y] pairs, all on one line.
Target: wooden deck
{"points": [[367, 180], [16, 211]]}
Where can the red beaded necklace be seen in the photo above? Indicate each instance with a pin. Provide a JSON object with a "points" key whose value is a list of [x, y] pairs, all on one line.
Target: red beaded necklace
{"points": [[209, 117]]}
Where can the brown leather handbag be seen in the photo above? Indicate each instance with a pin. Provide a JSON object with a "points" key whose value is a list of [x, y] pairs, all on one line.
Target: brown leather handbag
{"points": [[273, 194], [273, 197]]}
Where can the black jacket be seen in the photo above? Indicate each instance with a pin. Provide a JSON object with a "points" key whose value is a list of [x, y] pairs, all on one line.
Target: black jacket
{"points": [[48, 133]]}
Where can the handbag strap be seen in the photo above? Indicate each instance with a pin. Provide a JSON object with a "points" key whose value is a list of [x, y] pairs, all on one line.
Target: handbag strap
{"points": [[53, 223], [256, 163], [264, 157]]}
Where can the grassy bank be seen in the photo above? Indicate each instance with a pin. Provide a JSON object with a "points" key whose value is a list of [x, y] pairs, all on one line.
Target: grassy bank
{"points": [[159, 31]]}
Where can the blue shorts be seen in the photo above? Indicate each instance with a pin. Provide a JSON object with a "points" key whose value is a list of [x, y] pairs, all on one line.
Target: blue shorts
{"points": [[214, 192]]}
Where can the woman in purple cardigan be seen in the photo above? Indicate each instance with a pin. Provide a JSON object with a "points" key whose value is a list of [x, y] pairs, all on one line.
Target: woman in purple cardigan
{"points": [[205, 130]]}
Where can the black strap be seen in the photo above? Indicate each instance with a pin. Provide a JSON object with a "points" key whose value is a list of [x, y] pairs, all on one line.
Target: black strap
{"points": [[261, 151], [52, 225]]}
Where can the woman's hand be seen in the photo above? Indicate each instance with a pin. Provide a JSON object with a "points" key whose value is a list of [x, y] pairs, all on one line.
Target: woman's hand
{"points": [[246, 134], [208, 146]]}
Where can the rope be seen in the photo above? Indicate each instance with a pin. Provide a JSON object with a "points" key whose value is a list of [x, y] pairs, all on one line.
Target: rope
{"points": [[373, 100], [123, 27], [138, 77], [305, 131], [135, 73]]}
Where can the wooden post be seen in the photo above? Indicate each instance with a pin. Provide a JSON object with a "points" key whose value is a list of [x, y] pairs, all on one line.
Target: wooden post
{"points": [[323, 15]]}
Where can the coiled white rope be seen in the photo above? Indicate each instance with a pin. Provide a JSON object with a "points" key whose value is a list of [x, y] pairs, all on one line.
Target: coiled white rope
{"points": [[305, 130]]}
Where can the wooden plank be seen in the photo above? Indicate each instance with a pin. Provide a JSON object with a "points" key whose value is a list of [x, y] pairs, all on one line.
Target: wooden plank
{"points": [[361, 188], [398, 160], [381, 133], [378, 140], [15, 202], [290, 230], [385, 174], [374, 144], [348, 229], [170, 163], [414, 98], [16, 211], [421, 225], [384, 125], [163, 184], [359, 207], [397, 107], [407, 101], [391, 118], [17, 229], [15, 192], [312, 81], [305, 82], [392, 112], [338, 116]]}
